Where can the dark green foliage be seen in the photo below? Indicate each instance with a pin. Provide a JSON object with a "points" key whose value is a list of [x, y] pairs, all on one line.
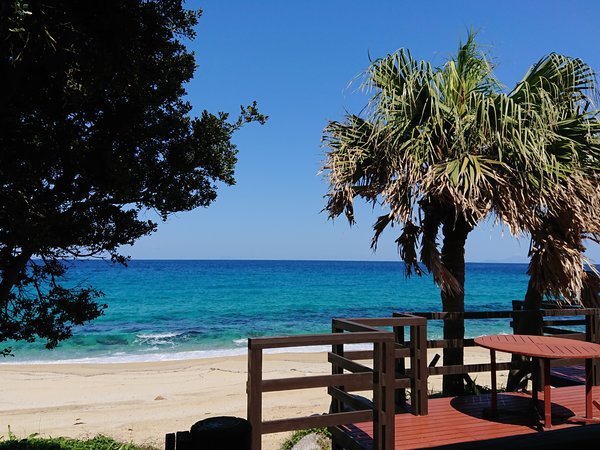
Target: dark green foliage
{"points": [[94, 131], [97, 443]]}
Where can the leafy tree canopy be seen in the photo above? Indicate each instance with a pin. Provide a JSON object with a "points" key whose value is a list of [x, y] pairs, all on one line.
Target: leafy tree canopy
{"points": [[94, 131]]}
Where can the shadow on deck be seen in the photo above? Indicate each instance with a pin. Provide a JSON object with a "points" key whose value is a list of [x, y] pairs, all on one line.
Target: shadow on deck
{"points": [[586, 437], [568, 376], [458, 423]]}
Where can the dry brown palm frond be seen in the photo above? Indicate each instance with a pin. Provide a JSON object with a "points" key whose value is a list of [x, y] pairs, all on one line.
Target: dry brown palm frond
{"points": [[590, 295], [407, 246], [557, 263]]}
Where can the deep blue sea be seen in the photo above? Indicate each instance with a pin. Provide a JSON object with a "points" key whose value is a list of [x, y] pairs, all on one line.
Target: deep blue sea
{"points": [[160, 310]]}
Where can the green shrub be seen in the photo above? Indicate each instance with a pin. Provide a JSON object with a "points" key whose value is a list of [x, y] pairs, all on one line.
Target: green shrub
{"points": [[38, 443]]}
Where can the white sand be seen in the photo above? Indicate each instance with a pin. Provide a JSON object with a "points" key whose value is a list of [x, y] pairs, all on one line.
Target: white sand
{"points": [[140, 402]]}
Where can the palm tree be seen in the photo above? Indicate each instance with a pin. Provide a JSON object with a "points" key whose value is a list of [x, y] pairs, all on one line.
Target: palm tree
{"points": [[559, 93], [561, 90], [557, 266], [441, 149]]}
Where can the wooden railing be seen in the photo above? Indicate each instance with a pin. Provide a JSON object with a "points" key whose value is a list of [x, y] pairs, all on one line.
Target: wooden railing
{"points": [[388, 376], [552, 325], [360, 378], [414, 350], [349, 373]]}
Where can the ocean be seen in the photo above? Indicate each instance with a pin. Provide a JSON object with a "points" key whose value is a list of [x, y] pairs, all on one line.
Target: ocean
{"points": [[166, 309]]}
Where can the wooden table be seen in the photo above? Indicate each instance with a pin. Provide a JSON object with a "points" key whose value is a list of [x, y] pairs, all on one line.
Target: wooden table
{"points": [[543, 349]]}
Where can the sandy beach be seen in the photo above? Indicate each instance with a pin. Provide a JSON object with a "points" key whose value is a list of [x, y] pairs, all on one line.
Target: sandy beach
{"points": [[140, 402]]}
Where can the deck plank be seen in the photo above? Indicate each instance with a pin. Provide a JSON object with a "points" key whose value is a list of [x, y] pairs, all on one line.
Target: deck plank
{"points": [[459, 423]]}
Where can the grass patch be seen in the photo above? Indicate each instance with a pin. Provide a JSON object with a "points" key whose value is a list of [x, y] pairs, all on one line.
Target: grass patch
{"points": [[38, 443], [323, 433]]}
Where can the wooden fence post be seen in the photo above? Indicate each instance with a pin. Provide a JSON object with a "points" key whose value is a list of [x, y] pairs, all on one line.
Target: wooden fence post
{"points": [[170, 441], [418, 364], [422, 369], [592, 334], [254, 390], [389, 368], [378, 356], [400, 369], [336, 405], [182, 440]]}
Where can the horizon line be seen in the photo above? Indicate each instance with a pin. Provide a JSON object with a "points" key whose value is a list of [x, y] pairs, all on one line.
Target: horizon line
{"points": [[299, 259]]}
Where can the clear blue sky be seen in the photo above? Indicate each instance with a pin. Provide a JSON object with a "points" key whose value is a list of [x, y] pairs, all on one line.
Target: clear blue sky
{"points": [[296, 59]]}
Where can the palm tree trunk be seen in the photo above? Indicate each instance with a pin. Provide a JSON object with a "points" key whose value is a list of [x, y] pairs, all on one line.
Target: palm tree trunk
{"points": [[529, 322], [453, 257]]}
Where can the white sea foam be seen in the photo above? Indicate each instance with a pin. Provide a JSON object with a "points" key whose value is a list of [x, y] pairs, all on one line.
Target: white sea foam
{"points": [[154, 339], [179, 356], [158, 335]]}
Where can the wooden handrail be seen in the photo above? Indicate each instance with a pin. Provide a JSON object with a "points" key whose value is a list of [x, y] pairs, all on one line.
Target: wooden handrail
{"points": [[565, 312], [360, 355], [359, 380], [439, 315], [467, 368], [505, 314], [566, 322], [451, 343], [398, 319], [351, 325], [308, 340], [347, 364], [350, 401], [325, 420]]}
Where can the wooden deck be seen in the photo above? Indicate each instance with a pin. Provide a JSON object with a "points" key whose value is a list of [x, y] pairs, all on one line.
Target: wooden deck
{"points": [[458, 423], [398, 362]]}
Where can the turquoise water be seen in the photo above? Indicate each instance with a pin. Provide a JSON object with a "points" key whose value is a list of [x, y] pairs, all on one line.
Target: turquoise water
{"points": [[187, 309]]}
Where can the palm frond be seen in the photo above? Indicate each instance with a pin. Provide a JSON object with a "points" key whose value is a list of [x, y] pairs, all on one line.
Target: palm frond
{"points": [[407, 246]]}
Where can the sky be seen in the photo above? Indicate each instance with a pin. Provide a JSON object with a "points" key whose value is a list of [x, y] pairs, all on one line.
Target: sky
{"points": [[297, 60]]}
